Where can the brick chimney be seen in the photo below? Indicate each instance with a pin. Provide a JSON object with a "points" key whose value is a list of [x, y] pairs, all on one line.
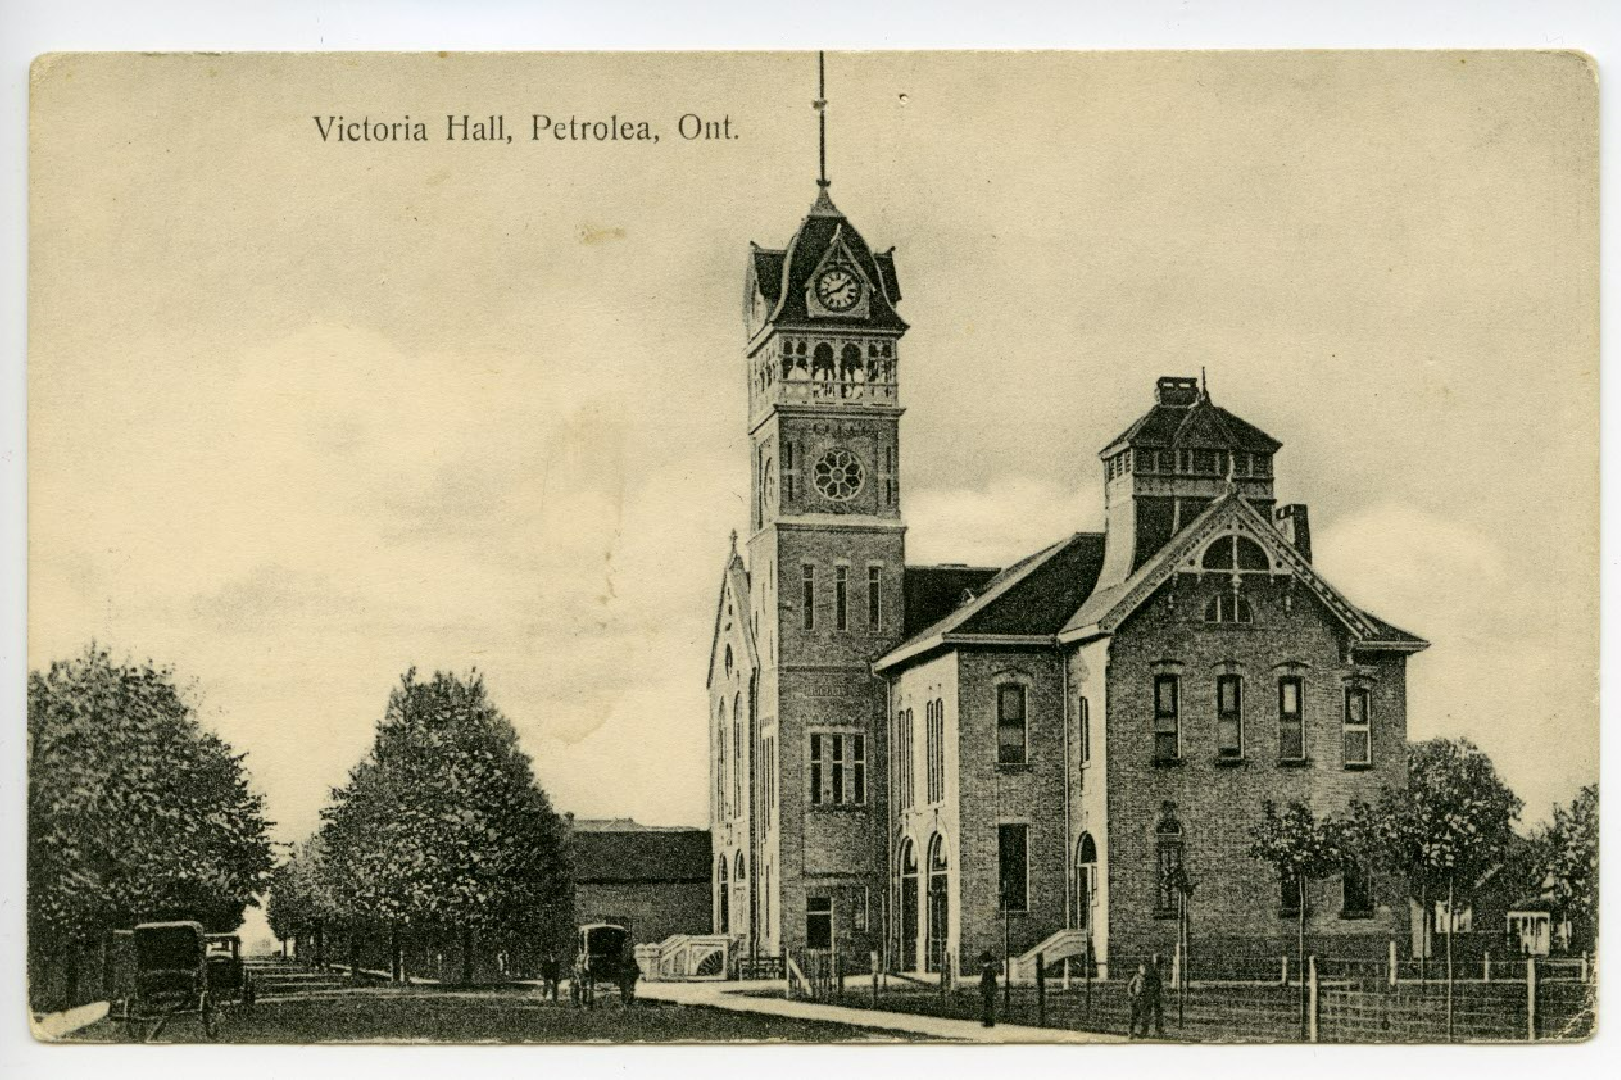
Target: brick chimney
{"points": [[1295, 525]]}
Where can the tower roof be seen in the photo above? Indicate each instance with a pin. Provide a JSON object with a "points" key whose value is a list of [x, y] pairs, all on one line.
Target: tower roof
{"points": [[1184, 418], [783, 276]]}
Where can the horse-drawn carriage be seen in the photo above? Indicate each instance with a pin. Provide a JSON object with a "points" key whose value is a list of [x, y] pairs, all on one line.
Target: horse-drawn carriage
{"points": [[605, 953], [178, 970]]}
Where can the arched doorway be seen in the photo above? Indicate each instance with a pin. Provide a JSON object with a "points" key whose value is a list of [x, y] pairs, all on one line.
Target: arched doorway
{"points": [[723, 914], [1086, 881], [909, 906], [939, 904]]}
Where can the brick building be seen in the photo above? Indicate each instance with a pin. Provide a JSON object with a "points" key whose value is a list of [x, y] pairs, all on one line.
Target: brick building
{"points": [[934, 761], [651, 879]]}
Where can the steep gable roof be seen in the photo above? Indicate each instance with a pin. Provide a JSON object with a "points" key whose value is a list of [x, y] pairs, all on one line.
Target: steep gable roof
{"points": [[734, 582], [1028, 600], [1105, 609]]}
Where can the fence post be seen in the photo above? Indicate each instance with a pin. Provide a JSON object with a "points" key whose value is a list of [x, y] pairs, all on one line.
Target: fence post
{"points": [[1584, 967], [875, 979], [1041, 990], [1486, 967], [1392, 961], [1531, 999], [1283, 970], [1311, 999], [1176, 966], [1066, 971]]}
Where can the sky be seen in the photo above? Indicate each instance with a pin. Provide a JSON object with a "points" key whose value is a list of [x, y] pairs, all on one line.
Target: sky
{"points": [[303, 415]]}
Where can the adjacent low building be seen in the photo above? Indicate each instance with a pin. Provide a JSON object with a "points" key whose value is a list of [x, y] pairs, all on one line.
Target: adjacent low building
{"points": [[651, 879]]}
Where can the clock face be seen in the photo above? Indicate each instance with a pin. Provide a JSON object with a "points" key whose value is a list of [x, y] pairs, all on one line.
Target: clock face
{"points": [[839, 475], [838, 288]]}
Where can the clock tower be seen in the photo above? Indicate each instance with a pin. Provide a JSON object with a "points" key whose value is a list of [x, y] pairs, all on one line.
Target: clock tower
{"points": [[825, 558]]}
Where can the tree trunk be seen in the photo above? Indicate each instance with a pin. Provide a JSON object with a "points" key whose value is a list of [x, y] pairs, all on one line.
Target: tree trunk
{"points": [[1425, 935], [320, 945], [354, 954], [1452, 918], [396, 961], [467, 956]]}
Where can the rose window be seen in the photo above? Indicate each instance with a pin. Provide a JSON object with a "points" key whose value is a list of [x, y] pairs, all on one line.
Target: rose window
{"points": [[838, 475]]}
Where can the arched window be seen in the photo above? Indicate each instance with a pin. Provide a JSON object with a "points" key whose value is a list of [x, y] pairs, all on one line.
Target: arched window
{"points": [[720, 769], [728, 659], [1228, 607], [741, 873], [1234, 552], [1086, 877], [850, 366], [822, 361], [939, 924]]}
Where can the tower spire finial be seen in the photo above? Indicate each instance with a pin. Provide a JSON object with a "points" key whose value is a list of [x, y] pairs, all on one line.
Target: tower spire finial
{"points": [[821, 120]]}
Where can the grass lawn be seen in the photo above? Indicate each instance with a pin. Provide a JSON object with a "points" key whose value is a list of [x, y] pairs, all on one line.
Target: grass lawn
{"points": [[506, 1016]]}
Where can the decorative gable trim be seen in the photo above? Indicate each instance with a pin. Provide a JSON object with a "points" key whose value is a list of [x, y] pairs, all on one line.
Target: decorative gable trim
{"points": [[1180, 556]]}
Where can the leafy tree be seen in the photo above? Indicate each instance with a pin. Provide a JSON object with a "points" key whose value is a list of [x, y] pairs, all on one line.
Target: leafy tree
{"points": [[443, 825], [1452, 823], [135, 812], [1302, 848], [1568, 847], [301, 902]]}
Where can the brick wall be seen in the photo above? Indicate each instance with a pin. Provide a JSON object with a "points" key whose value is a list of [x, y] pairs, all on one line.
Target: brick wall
{"points": [[1217, 803], [655, 910]]}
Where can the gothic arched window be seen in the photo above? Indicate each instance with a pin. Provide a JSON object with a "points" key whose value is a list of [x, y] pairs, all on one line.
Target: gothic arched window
{"points": [[1169, 870]]}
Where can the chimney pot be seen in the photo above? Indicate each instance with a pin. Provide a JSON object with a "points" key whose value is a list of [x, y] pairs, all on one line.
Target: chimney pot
{"points": [[1177, 391]]}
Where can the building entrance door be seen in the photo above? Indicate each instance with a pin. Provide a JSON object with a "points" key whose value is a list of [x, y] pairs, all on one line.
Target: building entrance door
{"points": [[909, 907], [939, 906]]}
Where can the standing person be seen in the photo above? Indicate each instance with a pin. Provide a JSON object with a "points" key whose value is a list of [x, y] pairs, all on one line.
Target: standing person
{"points": [[987, 988], [1134, 996], [1153, 998]]}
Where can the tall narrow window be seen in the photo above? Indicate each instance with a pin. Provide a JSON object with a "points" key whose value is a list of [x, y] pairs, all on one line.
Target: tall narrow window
{"points": [[789, 473], [818, 922], [1085, 711], [841, 597], [1289, 892], [905, 765], [1357, 894], [1167, 732], [1358, 737], [875, 598], [1013, 863], [815, 769], [1230, 716], [737, 764], [936, 738], [721, 778], [838, 770], [928, 752], [858, 769], [1010, 725], [1291, 725], [807, 596]]}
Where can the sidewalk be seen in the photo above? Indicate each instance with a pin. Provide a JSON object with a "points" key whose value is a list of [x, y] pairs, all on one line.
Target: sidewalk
{"points": [[731, 996]]}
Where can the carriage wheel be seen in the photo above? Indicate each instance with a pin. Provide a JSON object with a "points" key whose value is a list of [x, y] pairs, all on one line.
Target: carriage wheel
{"points": [[157, 1029]]}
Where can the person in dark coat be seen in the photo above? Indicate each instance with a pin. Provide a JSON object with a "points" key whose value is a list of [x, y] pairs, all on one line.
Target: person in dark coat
{"points": [[987, 988], [1134, 997], [1153, 998]]}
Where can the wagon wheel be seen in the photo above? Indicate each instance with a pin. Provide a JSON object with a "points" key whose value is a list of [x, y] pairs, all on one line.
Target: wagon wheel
{"points": [[157, 1029]]}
